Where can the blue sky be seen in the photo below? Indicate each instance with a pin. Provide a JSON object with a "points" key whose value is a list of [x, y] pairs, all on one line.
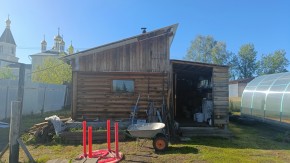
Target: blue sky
{"points": [[90, 23]]}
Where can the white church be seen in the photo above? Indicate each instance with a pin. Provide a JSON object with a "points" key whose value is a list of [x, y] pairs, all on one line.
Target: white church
{"points": [[7, 45], [56, 51], [8, 52]]}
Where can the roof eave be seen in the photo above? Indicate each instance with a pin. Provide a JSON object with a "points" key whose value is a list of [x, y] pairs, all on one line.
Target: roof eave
{"points": [[196, 63], [120, 43]]}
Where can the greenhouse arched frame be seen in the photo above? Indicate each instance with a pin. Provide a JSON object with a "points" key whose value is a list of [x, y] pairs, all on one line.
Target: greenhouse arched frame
{"points": [[268, 97]]}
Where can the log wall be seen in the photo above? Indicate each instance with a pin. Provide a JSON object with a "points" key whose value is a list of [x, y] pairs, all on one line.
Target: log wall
{"points": [[95, 98]]}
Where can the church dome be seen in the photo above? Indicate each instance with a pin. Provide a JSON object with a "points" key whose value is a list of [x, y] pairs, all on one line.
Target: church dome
{"points": [[43, 42], [7, 36], [57, 38], [8, 22]]}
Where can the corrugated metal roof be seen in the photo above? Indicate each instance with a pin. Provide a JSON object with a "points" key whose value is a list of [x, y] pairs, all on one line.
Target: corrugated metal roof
{"points": [[7, 37]]}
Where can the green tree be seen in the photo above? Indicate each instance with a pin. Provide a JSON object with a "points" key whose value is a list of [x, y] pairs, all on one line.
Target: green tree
{"points": [[6, 73], [246, 64], [233, 64], [53, 71], [273, 63], [206, 49]]}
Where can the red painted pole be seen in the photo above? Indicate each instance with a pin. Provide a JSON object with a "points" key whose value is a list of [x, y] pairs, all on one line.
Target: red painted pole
{"points": [[117, 139], [85, 138], [109, 135], [90, 134]]}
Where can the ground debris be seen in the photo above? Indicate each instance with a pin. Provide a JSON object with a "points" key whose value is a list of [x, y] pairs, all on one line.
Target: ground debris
{"points": [[44, 131]]}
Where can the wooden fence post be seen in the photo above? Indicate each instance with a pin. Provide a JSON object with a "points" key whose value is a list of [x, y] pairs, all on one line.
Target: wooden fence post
{"points": [[14, 131], [7, 101]]}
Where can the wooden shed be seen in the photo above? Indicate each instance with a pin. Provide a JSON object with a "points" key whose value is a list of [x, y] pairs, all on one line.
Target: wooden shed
{"points": [[199, 89], [108, 79]]}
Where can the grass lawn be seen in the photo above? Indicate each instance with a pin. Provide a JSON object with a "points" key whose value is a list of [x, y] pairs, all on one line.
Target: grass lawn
{"points": [[251, 143]]}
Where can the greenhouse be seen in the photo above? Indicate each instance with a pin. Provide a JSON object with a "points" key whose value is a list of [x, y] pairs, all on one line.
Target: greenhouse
{"points": [[267, 97]]}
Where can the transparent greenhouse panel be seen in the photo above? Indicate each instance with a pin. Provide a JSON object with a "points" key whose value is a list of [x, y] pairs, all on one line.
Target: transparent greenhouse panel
{"points": [[282, 82], [273, 102], [258, 104], [273, 115], [273, 105], [268, 96], [246, 110], [255, 81], [258, 112], [246, 101], [286, 107]]}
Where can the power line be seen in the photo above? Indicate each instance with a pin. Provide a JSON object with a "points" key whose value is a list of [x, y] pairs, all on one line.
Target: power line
{"points": [[38, 48]]}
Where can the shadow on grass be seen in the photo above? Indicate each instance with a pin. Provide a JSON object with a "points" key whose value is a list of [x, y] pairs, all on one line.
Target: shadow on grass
{"points": [[147, 153], [250, 136], [180, 150]]}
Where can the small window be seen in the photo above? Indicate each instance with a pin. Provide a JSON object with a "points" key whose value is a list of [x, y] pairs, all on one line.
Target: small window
{"points": [[123, 86], [12, 50]]}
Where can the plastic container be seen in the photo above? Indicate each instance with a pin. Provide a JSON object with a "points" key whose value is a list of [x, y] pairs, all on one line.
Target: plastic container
{"points": [[199, 117]]}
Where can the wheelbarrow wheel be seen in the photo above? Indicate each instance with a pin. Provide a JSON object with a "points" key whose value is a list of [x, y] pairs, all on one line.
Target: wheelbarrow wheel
{"points": [[160, 143]]}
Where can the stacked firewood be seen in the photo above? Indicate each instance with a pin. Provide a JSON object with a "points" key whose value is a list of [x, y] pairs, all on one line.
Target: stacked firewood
{"points": [[44, 131]]}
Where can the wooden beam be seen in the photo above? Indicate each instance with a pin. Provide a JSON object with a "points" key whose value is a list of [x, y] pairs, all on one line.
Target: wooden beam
{"points": [[21, 87], [25, 150], [14, 131], [75, 91]]}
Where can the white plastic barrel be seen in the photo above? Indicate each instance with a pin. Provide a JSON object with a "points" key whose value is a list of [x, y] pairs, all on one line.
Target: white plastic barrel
{"points": [[199, 117]]}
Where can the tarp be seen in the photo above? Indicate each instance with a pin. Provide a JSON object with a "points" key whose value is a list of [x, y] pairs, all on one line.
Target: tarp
{"points": [[58, 125], [4, 125]]}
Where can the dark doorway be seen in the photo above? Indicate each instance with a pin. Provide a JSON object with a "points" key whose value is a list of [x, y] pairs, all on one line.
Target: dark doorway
{"points": [[192, 88]]}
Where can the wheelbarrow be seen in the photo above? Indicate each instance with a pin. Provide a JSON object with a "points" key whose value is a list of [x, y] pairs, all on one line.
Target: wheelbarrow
{"points": [[150, 131]]}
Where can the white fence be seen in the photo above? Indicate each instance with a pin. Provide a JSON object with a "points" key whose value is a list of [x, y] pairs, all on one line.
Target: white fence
{"points": [[38, 97]]}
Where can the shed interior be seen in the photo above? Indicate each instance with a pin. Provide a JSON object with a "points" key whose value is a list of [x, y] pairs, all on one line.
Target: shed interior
{"points": [[192, 89]]}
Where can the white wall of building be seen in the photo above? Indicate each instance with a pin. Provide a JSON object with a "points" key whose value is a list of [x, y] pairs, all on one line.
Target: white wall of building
{"points": [[8, 52]]}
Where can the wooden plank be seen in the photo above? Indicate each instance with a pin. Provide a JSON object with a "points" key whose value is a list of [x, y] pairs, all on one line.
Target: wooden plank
{"points": [[126, 74], [14, 133], [74, 94], [220, 84], [221, 112], [220, 107], [220, 89], [221, 98], [220, 75], [221, 103], [98, 100], [116, 59], [220, 79], [220, 70], [220, 93], [25, 150], [221, 121]]}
